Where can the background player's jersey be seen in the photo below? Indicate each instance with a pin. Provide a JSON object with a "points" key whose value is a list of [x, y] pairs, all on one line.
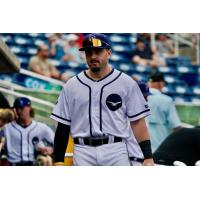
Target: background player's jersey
{"points": [[103, 107], [21, 142]]}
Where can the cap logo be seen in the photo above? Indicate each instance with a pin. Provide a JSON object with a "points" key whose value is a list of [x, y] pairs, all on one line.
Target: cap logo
{"points": [[96, 42]]}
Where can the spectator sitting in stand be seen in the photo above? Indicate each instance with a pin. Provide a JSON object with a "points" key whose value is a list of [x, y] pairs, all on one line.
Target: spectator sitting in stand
{"points": [[42, 65], [55, 49], [143, 55], [164, 46], [72, 52], [57, 46]]}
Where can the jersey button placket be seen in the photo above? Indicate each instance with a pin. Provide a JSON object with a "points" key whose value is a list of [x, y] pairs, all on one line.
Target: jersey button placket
{"points": [[95, 105]]}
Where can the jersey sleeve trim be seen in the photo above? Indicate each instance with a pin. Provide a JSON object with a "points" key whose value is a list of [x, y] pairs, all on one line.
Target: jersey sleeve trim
{"points": [[60, 119], [140, 114]]}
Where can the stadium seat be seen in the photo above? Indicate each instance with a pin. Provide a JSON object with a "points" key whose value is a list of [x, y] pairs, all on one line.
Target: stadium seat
{"points": [[125, 67], [32, 51], [196, 90], [170, 79], [184, 69], [22, 41], [141, 68], [38, 42], [180, 89]]}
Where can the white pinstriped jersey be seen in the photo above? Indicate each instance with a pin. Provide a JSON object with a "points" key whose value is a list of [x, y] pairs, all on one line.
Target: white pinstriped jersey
{"points": [[21, 142], [103, 107]]}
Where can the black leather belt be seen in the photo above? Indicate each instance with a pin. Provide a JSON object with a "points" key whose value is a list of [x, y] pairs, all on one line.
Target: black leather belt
{"points": [[96, 141], [24, 163], [136, 159]]}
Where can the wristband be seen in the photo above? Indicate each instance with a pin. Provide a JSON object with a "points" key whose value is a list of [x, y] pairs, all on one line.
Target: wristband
{"points": [[59, 164], [146, 149]]}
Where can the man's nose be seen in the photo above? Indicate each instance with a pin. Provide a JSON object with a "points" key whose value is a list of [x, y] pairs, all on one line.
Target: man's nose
{"points": [[93, 55]]}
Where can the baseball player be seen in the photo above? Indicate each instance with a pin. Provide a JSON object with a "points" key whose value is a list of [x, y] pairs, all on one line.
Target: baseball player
{"points": [[24, 136], [98, 107], [135, 154]]}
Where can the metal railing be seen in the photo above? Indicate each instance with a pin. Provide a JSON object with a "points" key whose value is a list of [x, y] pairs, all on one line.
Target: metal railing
{"points": [[36, 100], [41, 77], [180, 40]]}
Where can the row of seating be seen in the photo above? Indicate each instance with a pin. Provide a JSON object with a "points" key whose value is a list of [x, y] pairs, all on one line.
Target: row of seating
{"points": [[181, 77]]}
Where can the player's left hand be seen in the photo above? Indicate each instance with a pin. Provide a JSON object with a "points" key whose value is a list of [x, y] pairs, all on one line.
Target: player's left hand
{"points": [[148, 162]]}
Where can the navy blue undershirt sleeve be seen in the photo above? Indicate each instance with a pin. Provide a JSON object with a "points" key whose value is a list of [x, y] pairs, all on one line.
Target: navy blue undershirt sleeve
{"points": [[60, 142]]}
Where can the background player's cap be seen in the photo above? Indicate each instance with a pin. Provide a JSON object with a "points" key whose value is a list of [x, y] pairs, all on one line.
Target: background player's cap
{"points": [[21, 102], [144, 88], [156, 77], [96, 40]]}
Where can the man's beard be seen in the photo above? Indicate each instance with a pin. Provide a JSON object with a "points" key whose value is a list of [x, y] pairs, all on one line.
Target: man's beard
{"points": [[95, 69]]}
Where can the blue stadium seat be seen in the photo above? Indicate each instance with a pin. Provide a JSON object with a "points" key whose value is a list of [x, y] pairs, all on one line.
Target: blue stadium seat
{"points": [[70, 72], [6, 38], [22, 40], [195, 100], [17, 49], [139, 76], [117, 57], [120, 38], [170, 79], [125, 67], [38, 42], [180, 89], [23, 61], [31, 51], [122, 48], [142, 69], [55, 62], [196, 91], [169, 89], [184, 69], [182, 99], [177, 61]]}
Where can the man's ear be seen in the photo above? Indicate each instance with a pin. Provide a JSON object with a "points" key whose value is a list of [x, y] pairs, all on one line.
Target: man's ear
{"points": [[109, 52]]}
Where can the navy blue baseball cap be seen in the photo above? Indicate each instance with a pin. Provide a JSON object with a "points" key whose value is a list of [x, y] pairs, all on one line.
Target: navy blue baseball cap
{"points": [[21, 102], [144, 88], [95, 40], [156, 77]]}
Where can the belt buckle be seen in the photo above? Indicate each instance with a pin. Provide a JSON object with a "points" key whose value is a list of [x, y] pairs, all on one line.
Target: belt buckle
{"points": [[102, 141], [90, 142]]}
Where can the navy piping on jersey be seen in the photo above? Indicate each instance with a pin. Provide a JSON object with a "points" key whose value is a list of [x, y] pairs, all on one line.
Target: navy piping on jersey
{"points": [[61, 117], [28, 141], [139, 113], [24, 126], [90, 97], [101, 78], [21, 140], [101, 94]]}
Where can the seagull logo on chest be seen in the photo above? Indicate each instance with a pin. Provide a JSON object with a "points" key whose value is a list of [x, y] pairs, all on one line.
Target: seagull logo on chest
{"points": [[114, 102]]}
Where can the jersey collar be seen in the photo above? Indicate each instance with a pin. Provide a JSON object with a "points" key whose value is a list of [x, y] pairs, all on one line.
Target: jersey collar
{"points": [[154, 91], [101, 78]]}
